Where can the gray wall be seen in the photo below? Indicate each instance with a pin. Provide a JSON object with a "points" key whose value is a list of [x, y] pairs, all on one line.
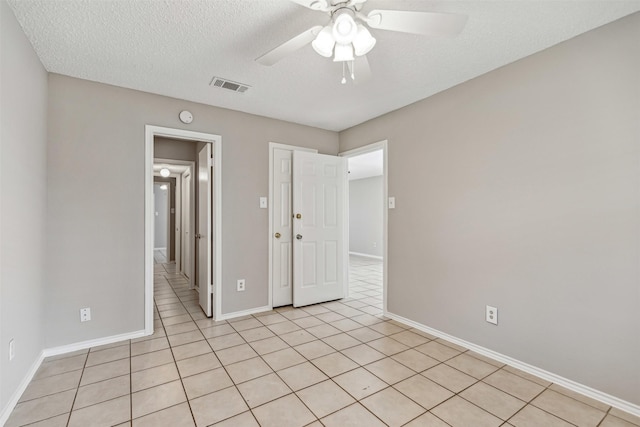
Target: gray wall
{"points": [[167, 148], [520, 189], [95, 126], [161, 208], [171, 249], [365, 215], [23, 124]]}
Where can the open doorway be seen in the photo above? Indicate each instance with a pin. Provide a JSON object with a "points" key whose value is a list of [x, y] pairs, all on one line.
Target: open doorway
{"points": [[181, 241], [368, 225]]}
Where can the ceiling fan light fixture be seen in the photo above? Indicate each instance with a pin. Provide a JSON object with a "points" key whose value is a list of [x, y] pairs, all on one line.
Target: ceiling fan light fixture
{"points": [[344, 27], [364, 41], [165, 172], [343, 52], [323, 43]]}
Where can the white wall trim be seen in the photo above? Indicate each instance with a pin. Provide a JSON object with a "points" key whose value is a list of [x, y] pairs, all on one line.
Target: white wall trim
{"points": [[15, 397], [533, 370], [241, 313], [384, 146], [54, 351], [13, 401], [366, 255], [216, 140]]}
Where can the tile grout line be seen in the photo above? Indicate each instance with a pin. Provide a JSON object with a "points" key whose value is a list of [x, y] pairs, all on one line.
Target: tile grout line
{"points": [[174, 357], [78, 388]]}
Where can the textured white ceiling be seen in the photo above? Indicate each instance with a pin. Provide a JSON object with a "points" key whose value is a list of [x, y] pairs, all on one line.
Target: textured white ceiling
{"points": [[174, 48]]}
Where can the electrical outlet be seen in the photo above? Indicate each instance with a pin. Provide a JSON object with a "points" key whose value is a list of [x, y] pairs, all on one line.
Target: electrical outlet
{"points": [[240, 285], [491, 315], [85, 314], [12, 349]]}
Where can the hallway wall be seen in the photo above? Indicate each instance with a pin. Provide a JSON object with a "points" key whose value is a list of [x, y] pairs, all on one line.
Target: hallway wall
{"points": [[160, 225], [366, 216]]}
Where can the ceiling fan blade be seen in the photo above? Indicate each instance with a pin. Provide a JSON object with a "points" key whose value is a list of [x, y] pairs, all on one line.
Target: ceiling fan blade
{"points": [[423, 23], [360, 69], [313, 4], [288, 47]]}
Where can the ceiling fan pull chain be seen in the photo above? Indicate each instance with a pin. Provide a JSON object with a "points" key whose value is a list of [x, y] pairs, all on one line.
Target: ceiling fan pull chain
{"points": [[344, 79]]}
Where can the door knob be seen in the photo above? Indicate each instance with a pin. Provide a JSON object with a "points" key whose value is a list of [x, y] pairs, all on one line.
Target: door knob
{"points": [[277, 235], [198, 236], [299, 216], [299, 236]]}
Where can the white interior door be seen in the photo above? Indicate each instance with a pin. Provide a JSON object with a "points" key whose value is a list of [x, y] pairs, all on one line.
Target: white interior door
{"points": [[282, 228], [187, 239], [204, 236], [319, 228]]}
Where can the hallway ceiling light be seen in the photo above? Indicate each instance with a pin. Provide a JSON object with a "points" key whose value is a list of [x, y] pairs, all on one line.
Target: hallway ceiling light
{"points": [[163, 187], [165, 172]]}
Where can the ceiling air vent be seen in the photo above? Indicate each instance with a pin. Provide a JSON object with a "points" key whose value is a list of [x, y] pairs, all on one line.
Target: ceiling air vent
{"points": [[228, 84]]}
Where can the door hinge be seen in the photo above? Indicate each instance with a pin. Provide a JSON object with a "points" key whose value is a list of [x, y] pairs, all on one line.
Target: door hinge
{"points": [[211, 162]]}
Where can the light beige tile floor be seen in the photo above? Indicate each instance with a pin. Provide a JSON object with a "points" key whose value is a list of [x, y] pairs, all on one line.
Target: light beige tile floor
{"points": [[335, 364]]}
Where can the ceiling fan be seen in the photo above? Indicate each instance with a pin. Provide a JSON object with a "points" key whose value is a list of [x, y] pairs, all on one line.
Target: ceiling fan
{"points": [[346, 37]]}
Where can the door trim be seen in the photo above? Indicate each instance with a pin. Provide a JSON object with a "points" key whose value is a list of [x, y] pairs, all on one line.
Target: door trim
{"points": [[273, 146], [150, 133], [380, 145]]}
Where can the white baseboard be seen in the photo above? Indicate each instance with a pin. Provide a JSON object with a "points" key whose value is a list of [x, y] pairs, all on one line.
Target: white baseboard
{"points": [[15, 397], [54, 351], [227, 316], [541, 373], [366, 255], [6, 411]]}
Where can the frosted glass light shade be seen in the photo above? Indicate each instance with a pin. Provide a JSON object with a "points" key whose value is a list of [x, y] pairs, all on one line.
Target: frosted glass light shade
{"points": [[164, 172], [323, 44], [343, 52], [364, 41], [344, 29]]}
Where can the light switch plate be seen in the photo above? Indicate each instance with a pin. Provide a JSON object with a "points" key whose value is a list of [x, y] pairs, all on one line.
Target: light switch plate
{"points": [[392, 202], [263, 203]]}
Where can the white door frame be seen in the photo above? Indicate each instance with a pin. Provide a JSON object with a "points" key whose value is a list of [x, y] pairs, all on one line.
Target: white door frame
{"points": [[272, 147], [381, 145], [150, 133]]}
